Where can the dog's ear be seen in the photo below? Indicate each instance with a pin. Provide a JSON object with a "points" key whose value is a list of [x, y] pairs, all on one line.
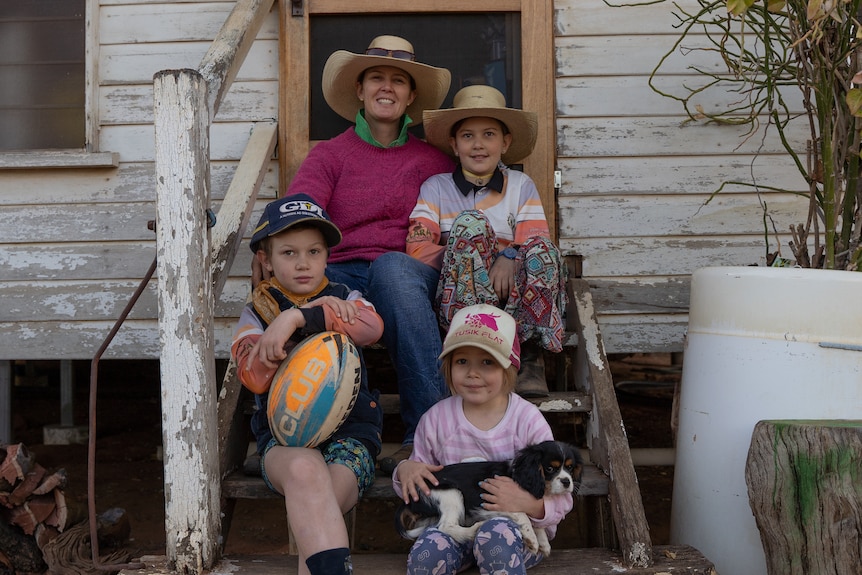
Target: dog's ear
{"points": [[527, 470], [574, 454]]}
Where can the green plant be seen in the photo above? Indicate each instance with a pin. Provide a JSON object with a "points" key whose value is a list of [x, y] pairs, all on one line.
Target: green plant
{"points": [[771, 47]]}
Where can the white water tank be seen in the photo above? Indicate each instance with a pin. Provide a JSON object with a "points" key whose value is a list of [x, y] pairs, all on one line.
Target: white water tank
{"points": [[762, 343]]}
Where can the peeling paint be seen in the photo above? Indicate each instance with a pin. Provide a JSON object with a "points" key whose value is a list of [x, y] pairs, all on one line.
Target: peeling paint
{"points": [[60, 305], [638, 556]]}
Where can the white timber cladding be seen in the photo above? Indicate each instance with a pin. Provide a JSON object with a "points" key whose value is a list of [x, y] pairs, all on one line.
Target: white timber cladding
{"points": [[86, 248], [74, 243], [637, 175]]}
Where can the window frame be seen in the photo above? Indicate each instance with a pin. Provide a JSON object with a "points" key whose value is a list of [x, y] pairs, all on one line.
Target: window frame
{"points": [[537, 76]]}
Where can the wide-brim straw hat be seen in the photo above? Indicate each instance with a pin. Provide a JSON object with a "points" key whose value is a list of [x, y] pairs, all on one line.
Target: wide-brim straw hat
{"points": [[487, 102], [343, 68]]}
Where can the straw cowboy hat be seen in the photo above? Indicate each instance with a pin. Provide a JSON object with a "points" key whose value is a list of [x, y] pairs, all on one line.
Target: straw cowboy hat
{"points": [[343, 68], [486, 102]]}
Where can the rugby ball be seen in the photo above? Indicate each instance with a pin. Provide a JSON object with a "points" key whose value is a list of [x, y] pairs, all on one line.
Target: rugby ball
{"points": [[314, 390]]}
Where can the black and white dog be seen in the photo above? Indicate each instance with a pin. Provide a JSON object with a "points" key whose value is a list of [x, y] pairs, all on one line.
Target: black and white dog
{"points": [[454, 506]]}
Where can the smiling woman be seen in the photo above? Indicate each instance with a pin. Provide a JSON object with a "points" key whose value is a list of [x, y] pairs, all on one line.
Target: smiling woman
{"points": [[368, 178]]}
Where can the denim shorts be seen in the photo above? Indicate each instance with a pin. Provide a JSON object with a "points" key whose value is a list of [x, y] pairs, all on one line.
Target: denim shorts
{"points": [[347, 451]]}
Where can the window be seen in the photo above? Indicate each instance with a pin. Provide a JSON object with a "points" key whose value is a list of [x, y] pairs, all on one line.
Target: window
{"points": [[42, 74], [514, 37], [477, 50]]}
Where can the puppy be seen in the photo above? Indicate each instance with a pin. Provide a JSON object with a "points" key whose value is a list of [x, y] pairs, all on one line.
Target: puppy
{"points": [[455, 505]]}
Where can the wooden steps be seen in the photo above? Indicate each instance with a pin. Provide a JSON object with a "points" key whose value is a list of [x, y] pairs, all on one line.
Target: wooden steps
{"points": [[239, 485], [583, 403], [678, 559]]}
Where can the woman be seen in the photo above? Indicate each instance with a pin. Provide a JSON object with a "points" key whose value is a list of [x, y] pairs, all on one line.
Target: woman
{"points": [[367, 179]]}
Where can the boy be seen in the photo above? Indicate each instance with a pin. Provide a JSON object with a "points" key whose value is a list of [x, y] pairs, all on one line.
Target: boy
{"points": [[292, 242]]}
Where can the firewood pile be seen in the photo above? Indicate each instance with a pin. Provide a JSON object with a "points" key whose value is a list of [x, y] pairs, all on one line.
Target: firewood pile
{"points": [[40, 530]]}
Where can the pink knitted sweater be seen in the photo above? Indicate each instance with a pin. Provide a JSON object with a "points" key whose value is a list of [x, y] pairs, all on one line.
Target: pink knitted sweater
{"points": [[368, 191]]}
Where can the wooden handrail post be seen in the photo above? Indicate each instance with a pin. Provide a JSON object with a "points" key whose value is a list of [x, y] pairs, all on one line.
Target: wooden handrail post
{"points": [[229, 48], [186, 304], [606, 435]]}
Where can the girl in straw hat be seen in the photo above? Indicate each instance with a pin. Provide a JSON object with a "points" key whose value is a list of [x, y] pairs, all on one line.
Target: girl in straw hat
{"points": [[483, 226], [367, 179]]}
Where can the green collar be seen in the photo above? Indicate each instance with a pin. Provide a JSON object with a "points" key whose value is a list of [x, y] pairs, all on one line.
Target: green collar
{"points": [[363, 130]]}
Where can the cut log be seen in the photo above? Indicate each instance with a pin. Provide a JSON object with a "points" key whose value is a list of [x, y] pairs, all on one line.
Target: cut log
{"points": [[27, 485], [20, 550], [33, 507], [805, 493], [17, 461]]}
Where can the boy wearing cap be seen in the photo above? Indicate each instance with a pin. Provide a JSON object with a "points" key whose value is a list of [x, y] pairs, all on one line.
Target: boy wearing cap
{"points": [[292, 242], [483, 420], [483, 226]]}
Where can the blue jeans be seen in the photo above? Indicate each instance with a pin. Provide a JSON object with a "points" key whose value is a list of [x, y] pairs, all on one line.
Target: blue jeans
{"points": [[402, 290]]}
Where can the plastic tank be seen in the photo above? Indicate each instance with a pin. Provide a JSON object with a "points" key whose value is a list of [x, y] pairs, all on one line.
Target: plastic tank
{"points": [[762, 343]]}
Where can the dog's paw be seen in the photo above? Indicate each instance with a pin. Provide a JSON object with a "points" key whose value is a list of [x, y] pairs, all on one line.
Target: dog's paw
{"points": [[544, 544], [530, 542]]}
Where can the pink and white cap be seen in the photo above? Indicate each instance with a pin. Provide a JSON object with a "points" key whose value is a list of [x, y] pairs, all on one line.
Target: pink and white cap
{"points": [[488, 328]]}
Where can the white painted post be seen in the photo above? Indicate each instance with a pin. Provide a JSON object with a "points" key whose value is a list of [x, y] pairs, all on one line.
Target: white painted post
{"points": [[189, 430]]}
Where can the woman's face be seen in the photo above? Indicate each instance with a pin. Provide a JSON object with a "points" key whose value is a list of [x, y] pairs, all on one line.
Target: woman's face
{"points": [[385, 92]]}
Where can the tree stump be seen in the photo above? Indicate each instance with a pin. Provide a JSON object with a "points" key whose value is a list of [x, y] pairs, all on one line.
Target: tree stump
{"points": [[805, 489]]}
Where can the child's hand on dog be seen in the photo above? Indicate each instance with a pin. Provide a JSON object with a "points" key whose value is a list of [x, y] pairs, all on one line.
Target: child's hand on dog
{"points": [[503, 494], [415, 475]]}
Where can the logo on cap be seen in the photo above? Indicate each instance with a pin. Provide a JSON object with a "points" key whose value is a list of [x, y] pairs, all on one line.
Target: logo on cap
{"points": [[302, 207]]}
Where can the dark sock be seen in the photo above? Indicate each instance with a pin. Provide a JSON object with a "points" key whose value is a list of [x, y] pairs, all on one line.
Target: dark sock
{"points": [[330, 562]]}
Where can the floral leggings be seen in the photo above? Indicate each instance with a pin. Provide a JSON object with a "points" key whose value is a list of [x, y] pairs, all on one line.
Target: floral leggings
{"points": [[497, 550], [538, 297]]}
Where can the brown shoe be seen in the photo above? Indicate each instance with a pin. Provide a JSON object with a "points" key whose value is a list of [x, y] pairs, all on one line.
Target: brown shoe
{"points": [[531, 377], [388, 464]]}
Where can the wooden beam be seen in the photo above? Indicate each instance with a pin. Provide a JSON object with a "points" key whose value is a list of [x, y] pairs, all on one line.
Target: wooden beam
{"points": [[294, 70], [239, 200], [47, 159], [188, 380], [91, 72], [5, 402], [606, 435], [67, 393], [402, 7], [538, 81], [229, 48]]}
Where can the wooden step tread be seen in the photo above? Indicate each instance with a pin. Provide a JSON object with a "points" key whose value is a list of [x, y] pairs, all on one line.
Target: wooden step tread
{"points": [[677, 559], [238, 485], [556, 402], [570, 340]]}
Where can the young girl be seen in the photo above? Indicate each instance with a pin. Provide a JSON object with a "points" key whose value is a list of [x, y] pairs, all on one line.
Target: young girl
{"points": [[483, 420], [484, 228]]}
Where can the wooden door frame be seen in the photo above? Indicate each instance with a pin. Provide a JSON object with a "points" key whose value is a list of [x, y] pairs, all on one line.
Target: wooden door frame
{"points": [[537, 76]]}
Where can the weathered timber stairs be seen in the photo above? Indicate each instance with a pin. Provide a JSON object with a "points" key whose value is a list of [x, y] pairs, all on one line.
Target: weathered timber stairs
{"points": [[618, 523]]}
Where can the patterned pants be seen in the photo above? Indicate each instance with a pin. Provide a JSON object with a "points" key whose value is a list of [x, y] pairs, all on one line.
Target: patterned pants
{"points": [[538, 297], [497, 550]]}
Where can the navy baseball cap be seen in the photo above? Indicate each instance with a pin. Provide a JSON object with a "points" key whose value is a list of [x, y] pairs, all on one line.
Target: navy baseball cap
{"points": [[288, 211]]}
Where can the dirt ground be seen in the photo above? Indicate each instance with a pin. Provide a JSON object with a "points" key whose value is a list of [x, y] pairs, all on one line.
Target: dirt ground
{"points": [[129, 470]]}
